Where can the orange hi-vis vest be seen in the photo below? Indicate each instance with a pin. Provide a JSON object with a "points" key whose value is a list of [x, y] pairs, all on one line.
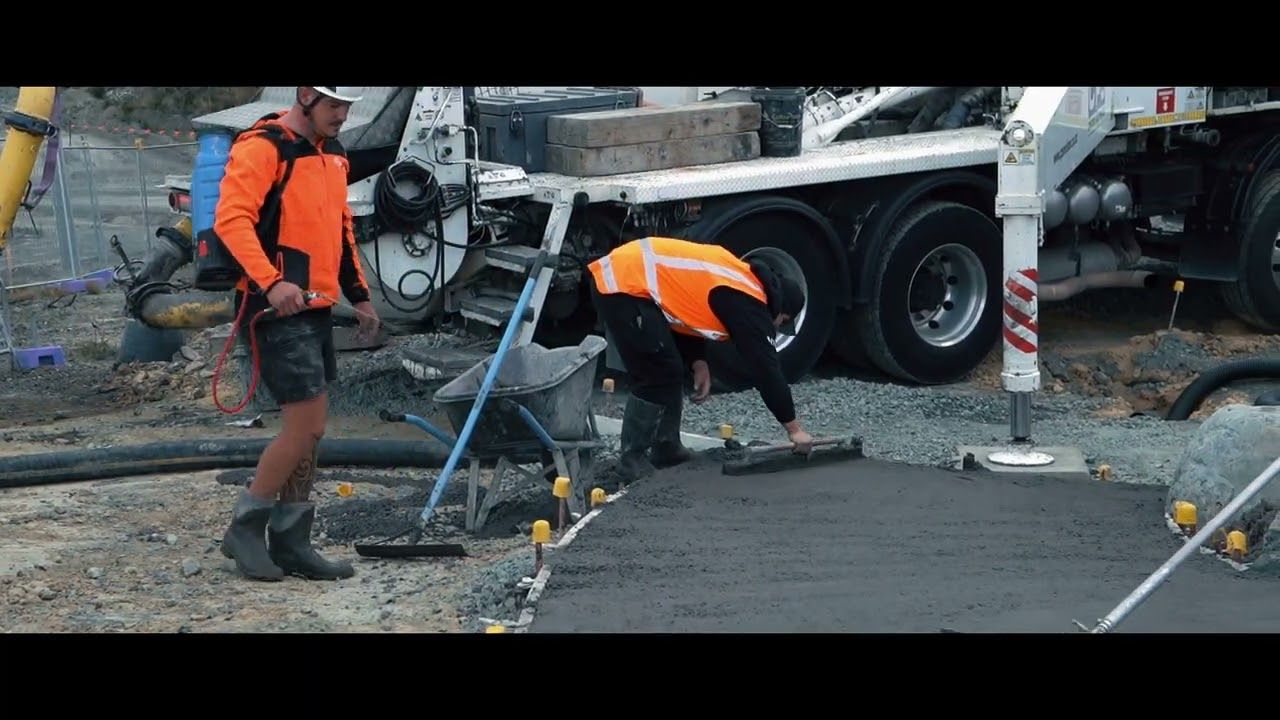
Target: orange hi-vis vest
{"points": [[678, 276]]}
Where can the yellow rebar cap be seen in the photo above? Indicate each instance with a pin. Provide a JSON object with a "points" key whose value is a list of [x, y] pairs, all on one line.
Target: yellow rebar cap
{"points": [[1178, 286], [346, 489], [597, 497], [726, 432], [542, 531], [607, 385], [1237, 543], [561, 488], [1184, 513], [495, 629]]}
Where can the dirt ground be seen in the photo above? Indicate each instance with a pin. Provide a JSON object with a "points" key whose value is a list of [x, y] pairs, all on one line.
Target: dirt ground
{"points": [[141, 553], [1117, 345]]}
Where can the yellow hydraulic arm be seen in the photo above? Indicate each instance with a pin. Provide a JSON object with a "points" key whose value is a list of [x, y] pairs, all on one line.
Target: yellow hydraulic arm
{"points": [[28, 126]]}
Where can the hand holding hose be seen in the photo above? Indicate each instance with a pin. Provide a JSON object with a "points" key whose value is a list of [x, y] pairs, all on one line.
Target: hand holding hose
{"points": [[286, 298]]}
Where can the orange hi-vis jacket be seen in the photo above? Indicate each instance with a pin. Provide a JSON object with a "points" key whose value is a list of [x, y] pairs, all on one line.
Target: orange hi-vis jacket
{"points": [[678, 276], [312, 243]]}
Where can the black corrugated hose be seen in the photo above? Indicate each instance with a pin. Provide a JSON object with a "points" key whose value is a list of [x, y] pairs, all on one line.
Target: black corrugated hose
{"points": [[192, 455], [1214, 378]]}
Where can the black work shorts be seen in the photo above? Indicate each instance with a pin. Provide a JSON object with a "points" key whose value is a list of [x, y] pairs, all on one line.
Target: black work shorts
{"points": [[296, 355]]}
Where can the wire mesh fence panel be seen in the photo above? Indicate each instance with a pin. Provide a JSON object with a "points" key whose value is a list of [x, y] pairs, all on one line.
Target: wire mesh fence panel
{"points": [[97, 191]]}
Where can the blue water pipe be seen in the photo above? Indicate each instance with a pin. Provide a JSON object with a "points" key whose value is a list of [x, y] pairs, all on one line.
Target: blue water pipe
{"points": [[536, 427], [430, 429], [513, 328]]}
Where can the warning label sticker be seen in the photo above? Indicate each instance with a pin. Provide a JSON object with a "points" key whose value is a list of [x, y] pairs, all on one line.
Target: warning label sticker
{"points": [[1020, 157], [1165, 99]]}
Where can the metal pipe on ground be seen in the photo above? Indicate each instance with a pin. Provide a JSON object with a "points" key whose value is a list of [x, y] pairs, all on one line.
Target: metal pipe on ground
{"points": [[1157, 578]]}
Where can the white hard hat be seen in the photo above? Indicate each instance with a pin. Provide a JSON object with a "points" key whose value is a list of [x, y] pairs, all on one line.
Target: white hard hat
{"points": [[341, 94]]}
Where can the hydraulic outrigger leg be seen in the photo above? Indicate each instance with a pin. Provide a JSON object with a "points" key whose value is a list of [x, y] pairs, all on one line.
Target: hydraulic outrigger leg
{"points": [[1053, 130]]}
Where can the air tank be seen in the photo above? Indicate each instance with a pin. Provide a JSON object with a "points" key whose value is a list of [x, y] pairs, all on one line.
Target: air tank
{"points": [[1055, 209], [1115, 200], [1082, 202]]}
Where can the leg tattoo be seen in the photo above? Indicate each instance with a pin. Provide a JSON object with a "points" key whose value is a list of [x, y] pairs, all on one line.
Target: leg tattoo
{"points": [[298, 486]]}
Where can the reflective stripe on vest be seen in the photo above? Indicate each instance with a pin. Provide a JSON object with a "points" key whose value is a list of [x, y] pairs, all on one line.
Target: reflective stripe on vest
{"points": [[652, 259]]}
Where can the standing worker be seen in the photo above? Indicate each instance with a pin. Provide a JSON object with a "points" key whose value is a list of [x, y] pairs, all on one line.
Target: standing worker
{"points": [[648, 288], [296, 263]]}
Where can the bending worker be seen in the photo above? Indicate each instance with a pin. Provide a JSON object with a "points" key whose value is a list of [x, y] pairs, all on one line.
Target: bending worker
{"points": [[296, 262], [662, 301]]}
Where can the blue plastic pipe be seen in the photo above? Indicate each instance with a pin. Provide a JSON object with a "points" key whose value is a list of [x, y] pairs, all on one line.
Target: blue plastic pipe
{"points": [[536, 427], [513, 327], [430, 429]]}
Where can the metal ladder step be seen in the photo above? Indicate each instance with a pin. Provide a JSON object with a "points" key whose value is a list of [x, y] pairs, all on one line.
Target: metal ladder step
{"points": [[516, 258], [490, 309]]}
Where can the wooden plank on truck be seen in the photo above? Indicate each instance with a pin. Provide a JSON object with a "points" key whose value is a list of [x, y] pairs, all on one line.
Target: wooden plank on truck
{"points": [[592, 162], [632, 126]]}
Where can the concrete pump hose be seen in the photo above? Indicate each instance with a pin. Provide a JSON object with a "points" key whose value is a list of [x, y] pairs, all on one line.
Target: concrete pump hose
{"points": [[192, 455], [1214, 378]]}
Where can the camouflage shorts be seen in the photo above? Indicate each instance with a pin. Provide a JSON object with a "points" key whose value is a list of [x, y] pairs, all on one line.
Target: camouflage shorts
{"points": [[296, 356]]}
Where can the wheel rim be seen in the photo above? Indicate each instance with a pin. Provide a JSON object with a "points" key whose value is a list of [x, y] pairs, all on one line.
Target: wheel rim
{"points": [[947, 295], [786, 266], [1275, 261]]}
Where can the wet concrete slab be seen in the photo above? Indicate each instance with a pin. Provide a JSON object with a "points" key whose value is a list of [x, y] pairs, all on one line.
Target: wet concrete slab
{"points": [[870, 546]]}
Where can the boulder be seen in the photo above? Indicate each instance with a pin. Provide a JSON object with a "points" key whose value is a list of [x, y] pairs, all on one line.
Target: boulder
{"points": [[1228, 452]]}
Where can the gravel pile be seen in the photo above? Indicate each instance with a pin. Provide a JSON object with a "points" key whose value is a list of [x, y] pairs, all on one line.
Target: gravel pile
{"points": [[495, 593], [924, 425], [370, 381]]}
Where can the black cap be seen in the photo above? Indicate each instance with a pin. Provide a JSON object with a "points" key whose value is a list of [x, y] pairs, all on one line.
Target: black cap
{"points": [[785, 295]]}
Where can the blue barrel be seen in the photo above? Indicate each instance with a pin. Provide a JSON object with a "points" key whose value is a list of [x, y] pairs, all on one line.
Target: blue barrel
{"points": [[211, 165]]}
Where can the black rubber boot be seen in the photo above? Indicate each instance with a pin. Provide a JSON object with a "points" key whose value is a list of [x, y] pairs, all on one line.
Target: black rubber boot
{"points": [[289, 539], [668, 450], [245, 541], [639, 429]]}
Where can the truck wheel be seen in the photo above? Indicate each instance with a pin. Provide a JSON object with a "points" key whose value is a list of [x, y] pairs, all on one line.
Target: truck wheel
{"points": [[1255, 297], [934, 309], [793, 247]]}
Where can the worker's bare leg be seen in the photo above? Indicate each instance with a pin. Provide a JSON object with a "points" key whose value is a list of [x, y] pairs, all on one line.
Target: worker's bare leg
{"points": [[287, 468], [289, 535], [270, 533]]}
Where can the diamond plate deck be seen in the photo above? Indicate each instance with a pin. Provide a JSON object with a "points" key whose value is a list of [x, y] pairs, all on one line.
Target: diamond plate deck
{"points": [[851, 160]]}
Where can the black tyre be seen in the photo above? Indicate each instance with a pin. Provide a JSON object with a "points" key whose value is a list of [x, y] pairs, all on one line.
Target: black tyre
{"points": [[1255, 297], [792, 245], [934, 310]]}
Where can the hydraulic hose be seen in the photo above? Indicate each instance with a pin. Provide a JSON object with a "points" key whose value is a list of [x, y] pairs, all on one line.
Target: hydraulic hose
{"points": [[1215, 378], [192, 455]]}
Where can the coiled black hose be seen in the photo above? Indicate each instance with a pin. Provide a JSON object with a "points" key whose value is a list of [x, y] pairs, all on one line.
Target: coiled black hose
{"points": [[1215, 378], [191, 455]]}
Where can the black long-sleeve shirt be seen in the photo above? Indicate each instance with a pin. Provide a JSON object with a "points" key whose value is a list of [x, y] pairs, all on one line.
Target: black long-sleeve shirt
{"points": [[751, 331]]}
